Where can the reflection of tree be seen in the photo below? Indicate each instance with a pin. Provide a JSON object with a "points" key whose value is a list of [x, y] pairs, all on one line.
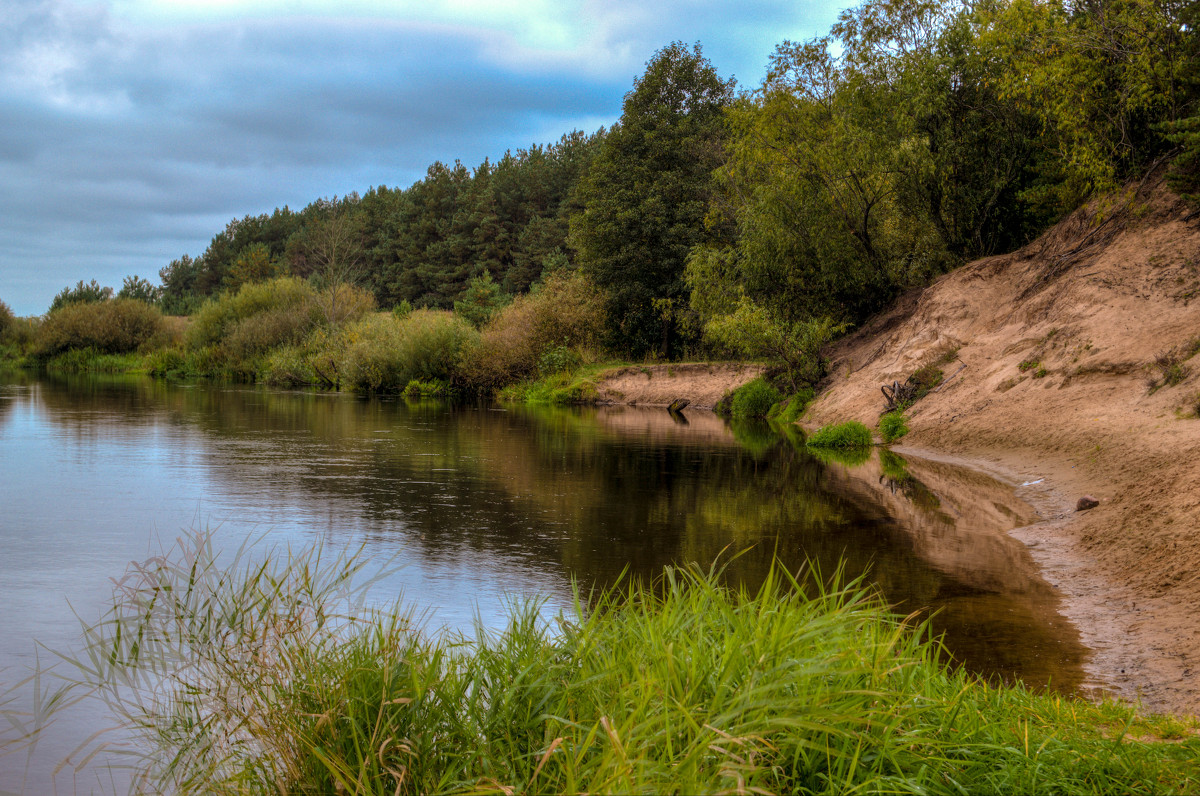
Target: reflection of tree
{"points": [[563, 492]]}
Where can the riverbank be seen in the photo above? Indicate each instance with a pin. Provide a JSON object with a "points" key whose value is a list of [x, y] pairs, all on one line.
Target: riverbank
{"points": [[1068, 365]]}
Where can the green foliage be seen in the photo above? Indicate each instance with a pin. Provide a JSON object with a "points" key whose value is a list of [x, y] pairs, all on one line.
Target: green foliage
{"points": [[220, 317], [752, 331], [271, 676], [134, 287], [567, 311], [386, 353], [645, 196], [425, 389], [1100, 77], [82, 293], [893, 426], [789, 409], [90, 360], [754, 399], [924, 379], [7, 320], [559, 359], [252, 264], [850, 434], [1184, 176], [113, 326], [481, 300], [557, 389]]}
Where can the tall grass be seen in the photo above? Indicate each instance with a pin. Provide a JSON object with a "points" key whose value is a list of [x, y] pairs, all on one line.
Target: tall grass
{"points": [[272, 676]]}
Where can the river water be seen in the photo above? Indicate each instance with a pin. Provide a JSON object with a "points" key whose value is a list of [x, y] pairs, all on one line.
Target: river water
{"points": [[476, 505]]}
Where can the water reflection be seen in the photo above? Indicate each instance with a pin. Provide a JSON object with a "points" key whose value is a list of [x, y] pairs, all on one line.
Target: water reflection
{"points": [[480, 501]]}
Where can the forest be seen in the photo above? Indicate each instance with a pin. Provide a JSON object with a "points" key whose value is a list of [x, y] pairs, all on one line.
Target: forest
{"points": [[709, 220]]}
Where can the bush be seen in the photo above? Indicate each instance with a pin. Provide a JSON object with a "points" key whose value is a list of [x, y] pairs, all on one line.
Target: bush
{"points": [[851, 434], [386, 353], [893, 426], [751, 331], [216, 319], [754, 399], [566, 312], [558, 359], [110, 327]]}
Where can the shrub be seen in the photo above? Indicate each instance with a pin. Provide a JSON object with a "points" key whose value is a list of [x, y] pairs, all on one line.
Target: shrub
{"points": [[565, 312], [925, 379], [215, 320], [386, 353], [424, 389], [751, 331], [893, 426], [754, 399], [288, 366], [259, 333], [558, 359], [851, 434], [110, 327]]}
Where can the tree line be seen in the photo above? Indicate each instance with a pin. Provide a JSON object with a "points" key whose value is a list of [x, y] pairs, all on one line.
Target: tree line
{"points": [[914, 136]]}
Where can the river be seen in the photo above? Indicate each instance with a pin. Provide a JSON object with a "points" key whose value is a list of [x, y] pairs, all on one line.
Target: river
{"points": [[475, 505]]}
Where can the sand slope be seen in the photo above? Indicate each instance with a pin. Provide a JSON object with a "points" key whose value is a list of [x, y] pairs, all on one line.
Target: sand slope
{"points": [[1092, 304]]}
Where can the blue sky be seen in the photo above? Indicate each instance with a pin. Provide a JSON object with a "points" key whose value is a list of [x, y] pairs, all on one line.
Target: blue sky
{"points": [[133, 130]]}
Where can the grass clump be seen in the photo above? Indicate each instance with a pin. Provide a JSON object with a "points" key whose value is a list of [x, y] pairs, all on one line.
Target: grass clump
{"points": [[753, 399], [851, 434], [789, 409], [270, 676], [892, 426]]}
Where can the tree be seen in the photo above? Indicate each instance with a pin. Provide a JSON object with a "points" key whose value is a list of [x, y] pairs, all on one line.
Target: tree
{"points": [[332, 247], [82, 293], [180, 294], [134, 287], [481, 300], [646, 193]]}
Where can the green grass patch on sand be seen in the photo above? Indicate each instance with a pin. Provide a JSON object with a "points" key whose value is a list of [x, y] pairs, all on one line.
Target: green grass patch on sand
{"points": [[850, 434]]}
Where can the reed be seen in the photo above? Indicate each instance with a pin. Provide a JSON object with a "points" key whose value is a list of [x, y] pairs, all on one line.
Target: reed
{"points": [[272, 675]]}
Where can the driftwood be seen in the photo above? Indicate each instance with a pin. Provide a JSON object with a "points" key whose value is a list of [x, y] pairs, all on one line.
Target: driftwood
{"points": [[898, 395], [678, 405]]}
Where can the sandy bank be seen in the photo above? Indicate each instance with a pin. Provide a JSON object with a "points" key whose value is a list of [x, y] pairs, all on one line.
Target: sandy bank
{"points": [[1050, 356]]}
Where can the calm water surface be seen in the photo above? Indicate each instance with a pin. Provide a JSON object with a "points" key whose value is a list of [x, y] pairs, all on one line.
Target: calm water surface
{"points": [[476, 505]]}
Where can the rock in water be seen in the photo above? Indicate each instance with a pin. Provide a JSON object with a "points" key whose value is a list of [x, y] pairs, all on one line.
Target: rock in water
{"points": [[1086, 502]]}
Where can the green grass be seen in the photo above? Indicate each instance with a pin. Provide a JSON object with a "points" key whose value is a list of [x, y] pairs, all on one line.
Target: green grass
{"points": [[89, 360], [562, 389], [753, 399], [851, 434], [263, 677], [893, 426]]}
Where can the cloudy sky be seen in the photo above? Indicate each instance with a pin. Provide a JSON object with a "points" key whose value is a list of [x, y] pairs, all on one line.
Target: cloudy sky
{"points": [[132, 130]]}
